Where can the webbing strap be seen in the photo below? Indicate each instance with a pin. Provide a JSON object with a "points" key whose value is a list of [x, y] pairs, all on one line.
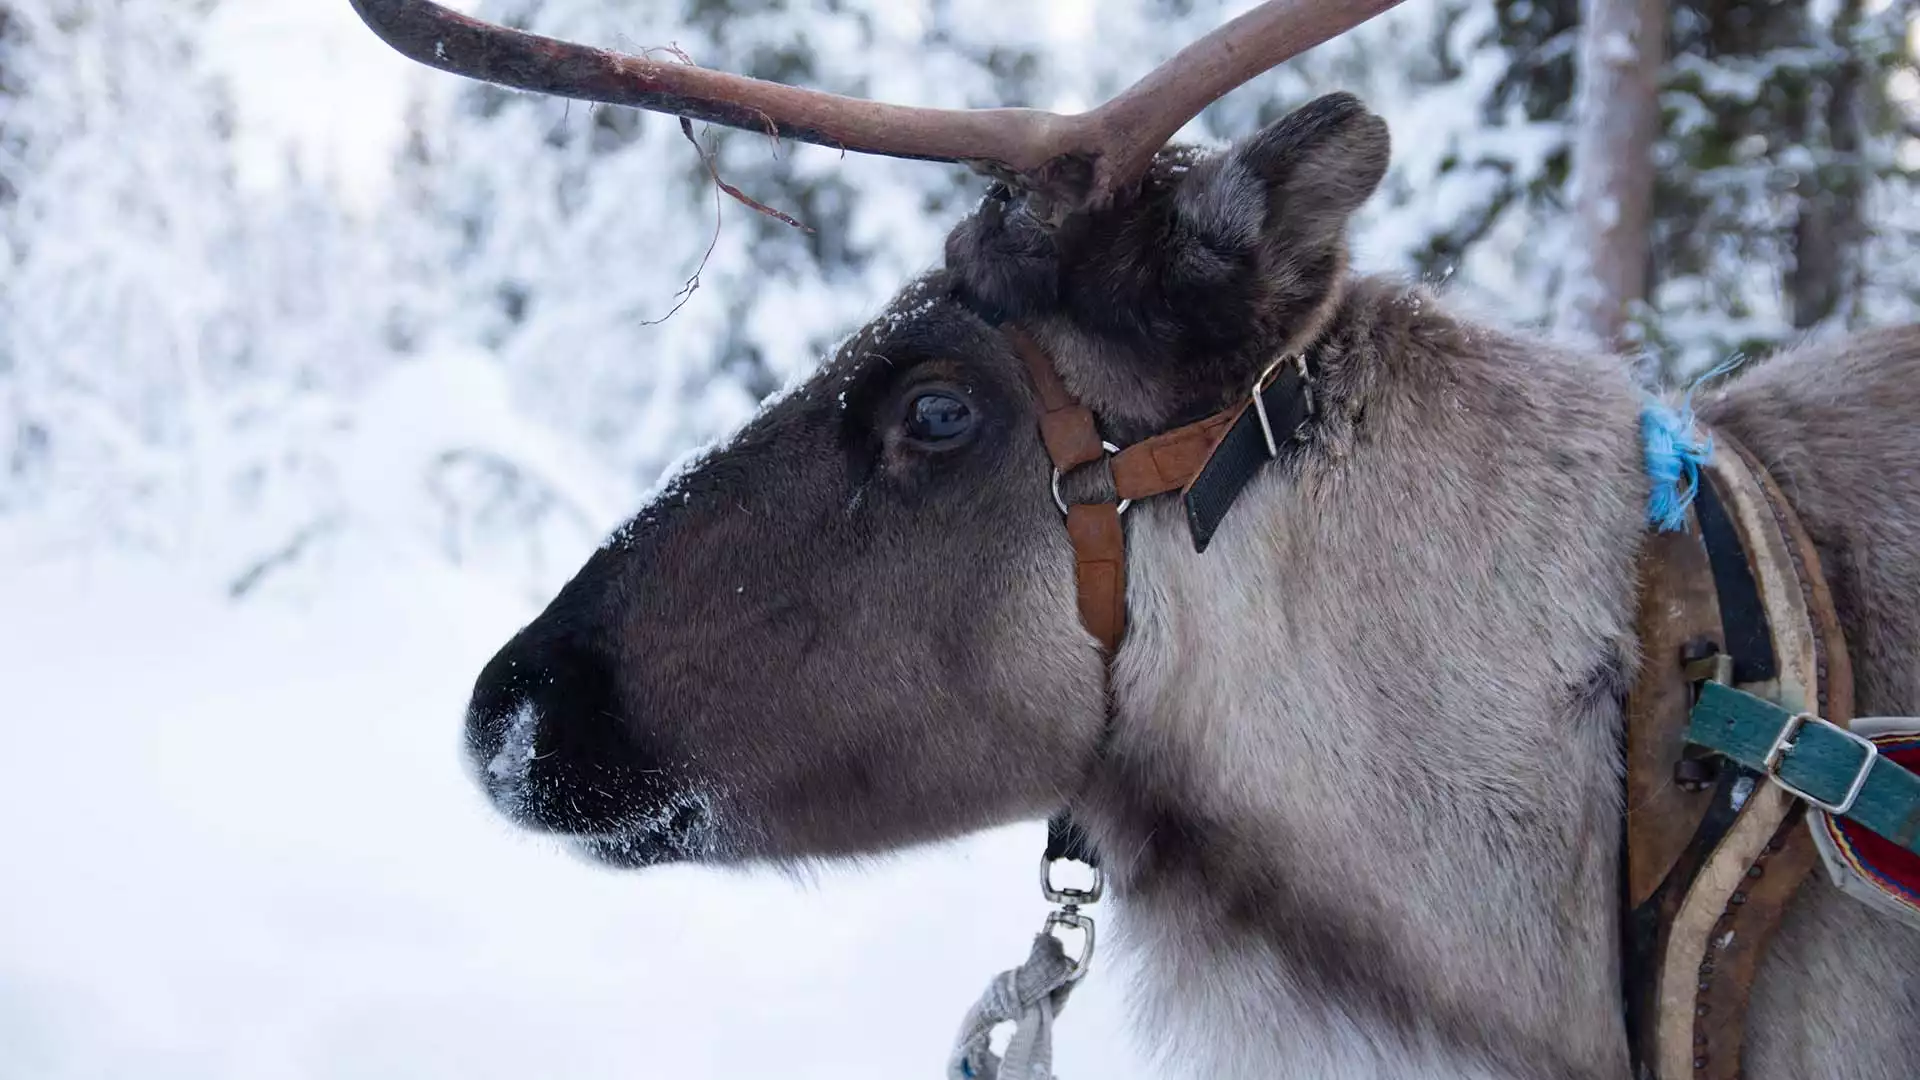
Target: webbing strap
{"points": [[1029, 997], [1243, 449], [1748, 641], [1817, 761]]}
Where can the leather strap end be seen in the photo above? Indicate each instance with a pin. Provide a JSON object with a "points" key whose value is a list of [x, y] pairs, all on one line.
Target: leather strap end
{"points": [[1100, 570], [1241, 452]]}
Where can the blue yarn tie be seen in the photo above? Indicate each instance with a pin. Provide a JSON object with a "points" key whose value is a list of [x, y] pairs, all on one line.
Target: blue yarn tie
{"points": [[1675, 450]]}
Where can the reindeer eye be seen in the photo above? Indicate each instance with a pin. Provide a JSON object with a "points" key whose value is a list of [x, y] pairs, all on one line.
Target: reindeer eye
{"points": [[938, 417]]}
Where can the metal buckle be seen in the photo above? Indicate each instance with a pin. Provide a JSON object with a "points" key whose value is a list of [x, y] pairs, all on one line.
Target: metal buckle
{"points": [[1070, 897], [1260, 406], [1062, 503], [1073, 920], [1783, 745]]}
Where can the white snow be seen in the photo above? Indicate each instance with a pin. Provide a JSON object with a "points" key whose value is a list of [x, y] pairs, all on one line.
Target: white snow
{"points": [[242, 844], [348, 131], [1617, 48], [516, 755]]}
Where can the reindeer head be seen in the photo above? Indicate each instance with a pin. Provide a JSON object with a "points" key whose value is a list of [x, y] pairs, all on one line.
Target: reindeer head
{"points": [[853, 627]]}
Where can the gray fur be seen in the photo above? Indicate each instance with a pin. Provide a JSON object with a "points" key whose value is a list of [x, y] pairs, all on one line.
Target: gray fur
{"points": [[1360, 793], [1370, 738]]}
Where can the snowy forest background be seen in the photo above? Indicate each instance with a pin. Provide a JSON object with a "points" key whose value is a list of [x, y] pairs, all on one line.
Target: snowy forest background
{"points": [[318, 373]]}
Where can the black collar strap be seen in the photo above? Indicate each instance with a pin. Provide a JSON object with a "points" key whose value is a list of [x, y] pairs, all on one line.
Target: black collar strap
{"points": [[1271, 422], [1211, 461]]}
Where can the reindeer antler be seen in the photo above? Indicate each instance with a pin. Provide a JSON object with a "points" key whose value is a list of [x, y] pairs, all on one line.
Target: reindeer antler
{"points": [[1076, 161]]}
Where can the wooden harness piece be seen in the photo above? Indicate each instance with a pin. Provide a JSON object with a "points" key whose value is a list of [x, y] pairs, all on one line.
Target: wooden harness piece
{"points": [[1711, 862]]}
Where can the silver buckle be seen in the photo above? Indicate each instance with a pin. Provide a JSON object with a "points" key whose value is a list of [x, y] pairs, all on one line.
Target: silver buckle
{"points": [[1783, 745], [1260, 406], [1062, 503]]}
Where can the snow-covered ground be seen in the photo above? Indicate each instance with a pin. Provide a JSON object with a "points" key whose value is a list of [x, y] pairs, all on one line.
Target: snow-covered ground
{"points": [[239, 843]]}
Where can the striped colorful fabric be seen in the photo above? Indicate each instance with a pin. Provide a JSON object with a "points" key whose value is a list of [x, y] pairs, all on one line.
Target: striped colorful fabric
{"points": [[1885, 864]]}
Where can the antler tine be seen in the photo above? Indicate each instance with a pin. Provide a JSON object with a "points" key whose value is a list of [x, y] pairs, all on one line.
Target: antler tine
{"points": [[1075, 161], [1134, 125]]}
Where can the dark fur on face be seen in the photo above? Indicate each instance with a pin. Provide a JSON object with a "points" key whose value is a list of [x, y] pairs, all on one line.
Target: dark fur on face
{"points": [[1163, 308], [825, 638]]}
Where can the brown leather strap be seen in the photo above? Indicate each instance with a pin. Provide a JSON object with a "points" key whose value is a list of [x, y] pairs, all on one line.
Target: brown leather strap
{"points": [[1668, 790], [1100, 570], [1099, 543], [1171, 459], [1166, 462], [1066, 426]]}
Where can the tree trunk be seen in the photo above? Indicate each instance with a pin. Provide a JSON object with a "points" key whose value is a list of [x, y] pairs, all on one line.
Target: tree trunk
{"points": [[1827, 228], [1616, 119]]}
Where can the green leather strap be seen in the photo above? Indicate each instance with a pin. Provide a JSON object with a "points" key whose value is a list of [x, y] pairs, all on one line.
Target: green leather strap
{"points": [[1821, 762]]}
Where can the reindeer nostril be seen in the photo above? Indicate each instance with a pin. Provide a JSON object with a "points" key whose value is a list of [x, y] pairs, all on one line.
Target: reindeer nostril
{"points": [[549, 742]]}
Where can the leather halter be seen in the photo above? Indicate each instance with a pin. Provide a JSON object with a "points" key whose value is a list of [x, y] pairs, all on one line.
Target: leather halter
{"points": [[1208, 461]]}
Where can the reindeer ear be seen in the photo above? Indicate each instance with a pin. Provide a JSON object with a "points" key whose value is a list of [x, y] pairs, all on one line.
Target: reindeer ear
{"points": [[1320, 162], [1301, 177]]}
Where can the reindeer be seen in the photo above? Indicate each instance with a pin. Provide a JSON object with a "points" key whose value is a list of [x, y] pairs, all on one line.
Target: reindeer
{"points": [[1354, 771]]}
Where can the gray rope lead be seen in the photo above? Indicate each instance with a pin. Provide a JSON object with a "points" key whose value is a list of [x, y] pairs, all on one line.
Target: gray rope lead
{"points": [[1029, 996]]}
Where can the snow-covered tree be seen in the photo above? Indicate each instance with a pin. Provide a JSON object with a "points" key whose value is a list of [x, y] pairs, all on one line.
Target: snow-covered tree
{"points": [[1784, 194], [1781, 160], [497, 357], [1783, 164], [173, 347], [590, 250], [118, 183]]}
